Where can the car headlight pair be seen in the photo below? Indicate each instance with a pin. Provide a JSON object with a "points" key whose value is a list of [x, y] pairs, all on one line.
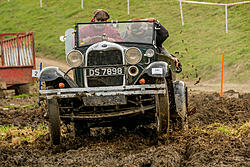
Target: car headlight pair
{"points": [[134, 55], [74, 58]]}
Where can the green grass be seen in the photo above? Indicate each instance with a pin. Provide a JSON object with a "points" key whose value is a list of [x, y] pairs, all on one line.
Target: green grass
{"points": [[199, 44], [5, 128], [28, 106], [239, 129], [225, 130], [21, 96], [9, 106], [26, 133]]}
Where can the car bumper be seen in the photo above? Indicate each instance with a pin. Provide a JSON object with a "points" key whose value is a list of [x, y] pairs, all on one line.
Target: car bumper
{"points": [[103, 91]]}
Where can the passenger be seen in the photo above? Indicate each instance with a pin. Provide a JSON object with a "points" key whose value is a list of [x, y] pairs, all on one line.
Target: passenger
{"points": [[98, 32], [161, 36], [138, 32]]}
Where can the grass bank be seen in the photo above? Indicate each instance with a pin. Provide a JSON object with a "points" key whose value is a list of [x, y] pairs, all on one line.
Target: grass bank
{"points": [[199, 44]]}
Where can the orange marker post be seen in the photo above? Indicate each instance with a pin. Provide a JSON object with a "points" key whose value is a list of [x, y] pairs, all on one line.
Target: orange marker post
{"points": [[222, 67]]}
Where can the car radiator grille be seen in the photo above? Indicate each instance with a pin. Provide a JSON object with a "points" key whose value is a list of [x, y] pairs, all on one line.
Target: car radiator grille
{"points": [[102, 58]]}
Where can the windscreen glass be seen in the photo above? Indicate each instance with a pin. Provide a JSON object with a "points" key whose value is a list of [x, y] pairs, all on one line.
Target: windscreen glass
{"points": [[129, 32]]}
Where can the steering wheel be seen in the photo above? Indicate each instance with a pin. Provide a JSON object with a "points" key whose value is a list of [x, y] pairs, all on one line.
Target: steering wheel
{"points": [[91, 39], [95, 37]]}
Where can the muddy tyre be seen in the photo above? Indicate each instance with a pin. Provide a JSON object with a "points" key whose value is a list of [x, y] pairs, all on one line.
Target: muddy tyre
{"points": [[22, 89], [1, 93], [54, 121], [131, 126], [184, 121], [162, 113], [181, 100]]}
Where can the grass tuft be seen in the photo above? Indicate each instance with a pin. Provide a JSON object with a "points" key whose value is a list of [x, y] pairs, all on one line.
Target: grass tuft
{"points": [[21, 96]]}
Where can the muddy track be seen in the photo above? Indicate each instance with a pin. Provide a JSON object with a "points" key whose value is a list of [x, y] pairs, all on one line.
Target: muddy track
{"points": [[218, 135]]}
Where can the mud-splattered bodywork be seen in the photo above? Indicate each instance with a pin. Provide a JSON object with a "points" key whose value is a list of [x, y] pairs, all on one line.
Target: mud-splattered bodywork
{"points": [[114, 81]]}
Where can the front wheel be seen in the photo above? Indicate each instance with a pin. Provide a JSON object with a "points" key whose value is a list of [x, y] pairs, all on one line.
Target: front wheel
{"points": [[54, 121], [162, 113]]}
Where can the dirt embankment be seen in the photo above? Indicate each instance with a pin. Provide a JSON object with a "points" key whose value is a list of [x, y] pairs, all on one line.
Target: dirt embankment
{"points": [[218, 135]]}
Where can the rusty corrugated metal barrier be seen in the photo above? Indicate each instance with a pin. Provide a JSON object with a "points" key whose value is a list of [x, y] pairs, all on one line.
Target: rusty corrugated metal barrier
{"points": [[17, 58]]}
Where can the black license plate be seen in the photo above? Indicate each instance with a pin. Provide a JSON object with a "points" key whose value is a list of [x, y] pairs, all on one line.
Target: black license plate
{"points": [[107, 71]]}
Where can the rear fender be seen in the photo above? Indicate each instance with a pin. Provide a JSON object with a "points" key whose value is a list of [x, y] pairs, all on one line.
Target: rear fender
{"points": [[180, 92]]}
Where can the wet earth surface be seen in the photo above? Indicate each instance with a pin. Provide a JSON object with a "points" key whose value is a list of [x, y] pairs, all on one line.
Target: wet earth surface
{"points": [[218, 135]]}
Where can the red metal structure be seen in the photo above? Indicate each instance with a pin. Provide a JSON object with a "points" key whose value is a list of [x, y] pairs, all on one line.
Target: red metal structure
{"points": [[17, 59]]}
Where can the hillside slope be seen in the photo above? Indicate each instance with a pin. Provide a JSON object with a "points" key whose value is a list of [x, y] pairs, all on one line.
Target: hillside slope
{"points": [[199, 44]]}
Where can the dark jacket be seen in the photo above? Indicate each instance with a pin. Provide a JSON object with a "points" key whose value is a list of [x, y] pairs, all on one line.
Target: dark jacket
{"points": [[161, 34]]}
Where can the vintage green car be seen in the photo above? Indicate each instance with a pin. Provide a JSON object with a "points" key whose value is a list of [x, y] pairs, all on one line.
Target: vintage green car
{"points": [[120, 79]]}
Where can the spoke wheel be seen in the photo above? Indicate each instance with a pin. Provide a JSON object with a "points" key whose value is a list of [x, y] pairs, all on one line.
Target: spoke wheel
{"points": [[54, 121]]}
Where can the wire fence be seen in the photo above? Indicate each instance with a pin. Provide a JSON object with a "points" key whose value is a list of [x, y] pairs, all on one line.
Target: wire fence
{"points": [[209, 3]]}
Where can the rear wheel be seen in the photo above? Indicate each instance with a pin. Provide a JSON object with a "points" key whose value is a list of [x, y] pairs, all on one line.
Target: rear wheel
{"points": [[1, 93], [22, 89], [81, 129], [54, 121], [131, 126], [181, 98], [184, 121]]}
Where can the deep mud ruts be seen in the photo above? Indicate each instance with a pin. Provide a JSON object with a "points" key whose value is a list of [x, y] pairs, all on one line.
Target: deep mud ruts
{"points": [[218, 135]]}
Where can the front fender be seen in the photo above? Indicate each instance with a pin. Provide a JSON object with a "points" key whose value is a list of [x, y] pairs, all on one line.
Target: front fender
{"points": [[52, 74], [157, 69]]}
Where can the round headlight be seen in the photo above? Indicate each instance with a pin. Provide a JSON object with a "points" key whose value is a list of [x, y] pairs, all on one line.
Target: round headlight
{"points": [[74, 58], [133, 55], [149, 53]]}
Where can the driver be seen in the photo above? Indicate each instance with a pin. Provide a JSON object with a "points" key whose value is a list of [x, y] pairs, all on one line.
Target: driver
{"points": [[98, 32]]}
